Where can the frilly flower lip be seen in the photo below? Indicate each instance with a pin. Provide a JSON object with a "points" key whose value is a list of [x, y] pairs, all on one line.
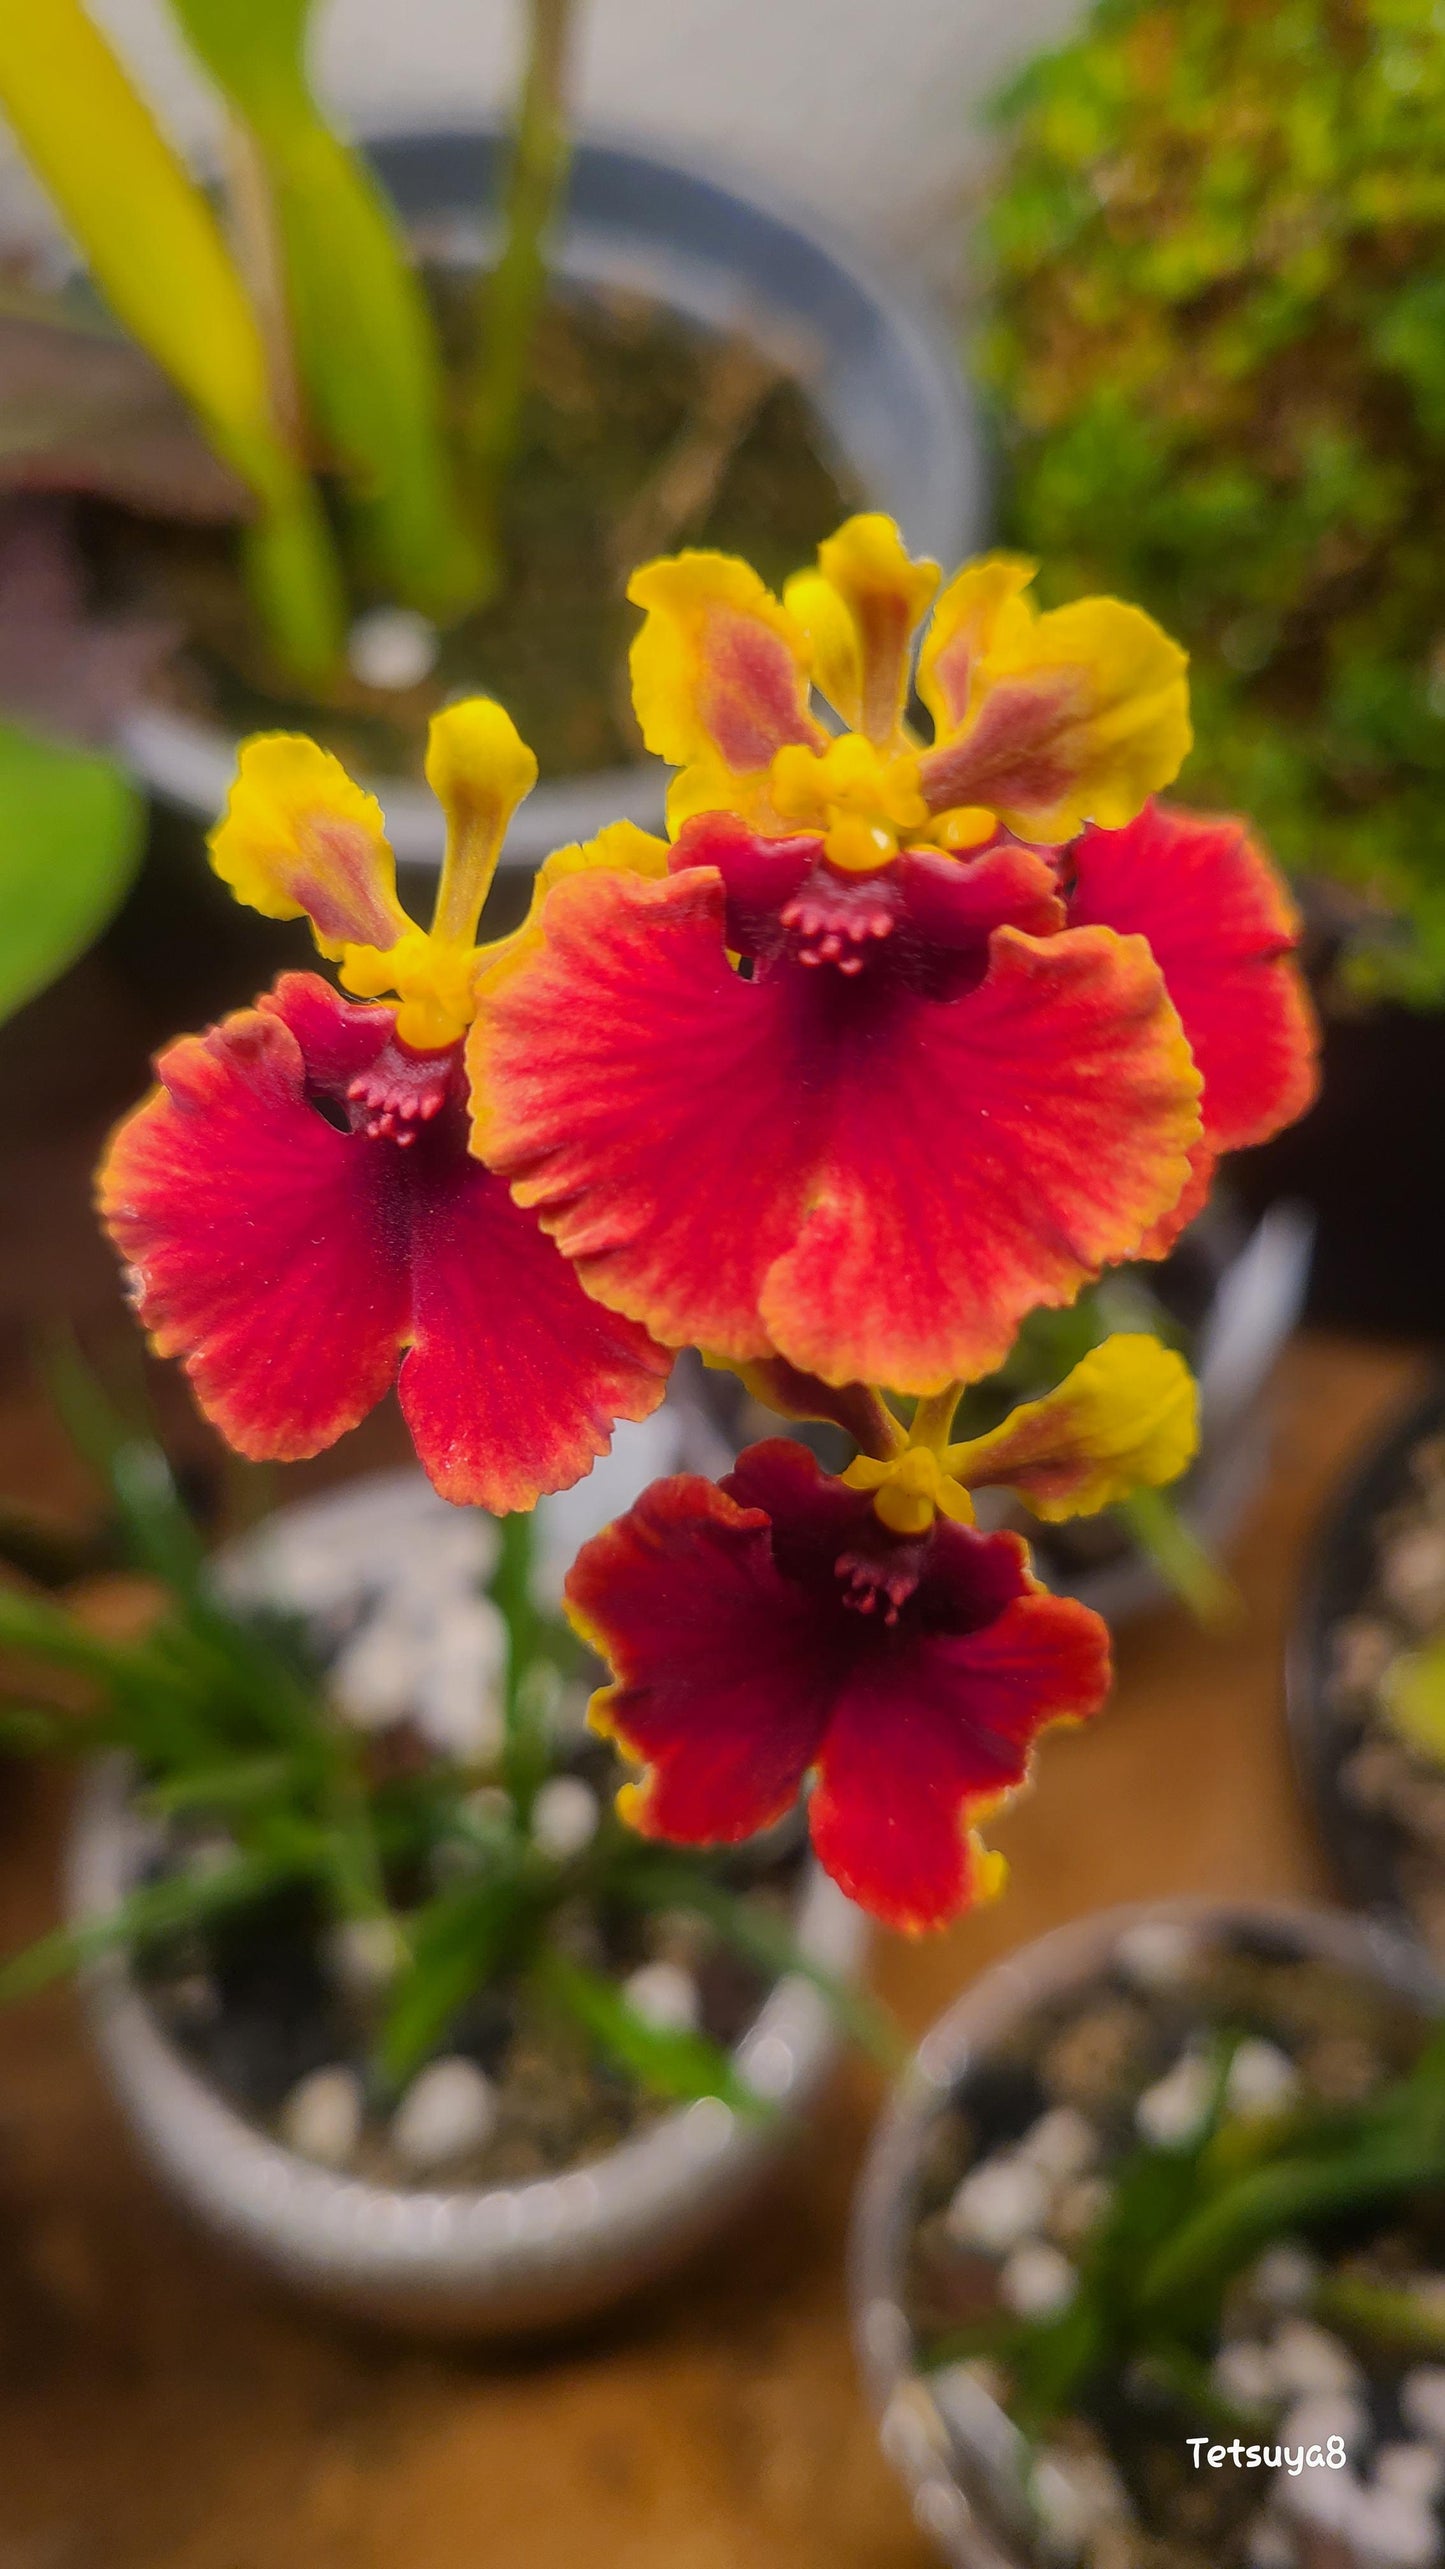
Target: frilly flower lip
{"points": [[296, 1201], [771, 1626], [885, 1050], [874, 1174]]}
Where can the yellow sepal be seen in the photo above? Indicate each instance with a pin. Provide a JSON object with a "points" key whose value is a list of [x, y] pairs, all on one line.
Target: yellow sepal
{"points": [[683, 597], [859, 609], [479, 768], [299, 839], [1126, 1418], [980, 611]]}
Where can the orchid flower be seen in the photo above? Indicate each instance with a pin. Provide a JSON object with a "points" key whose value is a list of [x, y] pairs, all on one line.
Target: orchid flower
{"points": [[786, 1621], [296, 1201], [895, 1042]]}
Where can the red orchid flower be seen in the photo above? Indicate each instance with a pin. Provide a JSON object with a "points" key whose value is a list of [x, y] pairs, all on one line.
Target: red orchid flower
{"points": [[785, 1622], [881, 1054], [296, 1200]]}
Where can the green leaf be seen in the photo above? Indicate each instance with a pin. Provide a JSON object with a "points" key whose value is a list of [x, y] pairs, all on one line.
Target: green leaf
{"points": [[70, 839], [364, 340], [676, 2064], [156, 1909], [459, 1941], [160, 1535], [156, 252]]}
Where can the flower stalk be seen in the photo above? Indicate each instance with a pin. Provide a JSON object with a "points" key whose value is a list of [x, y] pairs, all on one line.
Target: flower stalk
{"points": [[512, 295]]}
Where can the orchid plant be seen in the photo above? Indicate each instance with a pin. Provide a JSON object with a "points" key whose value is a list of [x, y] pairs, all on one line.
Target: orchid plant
{"points": [[296, 329], [924, 1014]]}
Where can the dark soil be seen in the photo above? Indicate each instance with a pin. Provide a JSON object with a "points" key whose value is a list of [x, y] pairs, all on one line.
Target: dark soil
{"points": [[617, 385]]}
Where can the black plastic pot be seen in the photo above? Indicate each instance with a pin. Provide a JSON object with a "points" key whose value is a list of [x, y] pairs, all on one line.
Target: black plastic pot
{"points": [[1364, 1848], [1369, 1161]]}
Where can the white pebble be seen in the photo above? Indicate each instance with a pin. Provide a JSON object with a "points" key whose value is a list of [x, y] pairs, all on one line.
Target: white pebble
{"points": [[1285, 2276], [321, 2118], [1321, 2414], [1413, 2470], [664, 1996], [1063, 2143], [1174, 2108], [1242, 2371], [1000, 2202], [449, 2109], [565, 1816], [1422, 2401], [1397, 2531], [392, 647], [1262, 2079], [912, 2433], [458, 1701], [1075, 2495], [1270, 2544], [1308, 2358], [1319, 2496], [1157, 1954], [364, 1955], [1037, 2281]]}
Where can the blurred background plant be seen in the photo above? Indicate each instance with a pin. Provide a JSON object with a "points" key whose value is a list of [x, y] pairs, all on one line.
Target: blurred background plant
{"points": [[1216, 340], [353, 462], [419, 1891]]}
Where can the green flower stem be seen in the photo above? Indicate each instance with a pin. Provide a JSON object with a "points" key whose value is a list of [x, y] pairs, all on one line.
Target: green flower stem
{"points": [[524, 1748], [512, 295]]}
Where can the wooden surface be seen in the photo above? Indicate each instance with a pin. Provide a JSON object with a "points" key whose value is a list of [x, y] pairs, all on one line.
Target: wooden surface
{"points": [[161, 2409]]}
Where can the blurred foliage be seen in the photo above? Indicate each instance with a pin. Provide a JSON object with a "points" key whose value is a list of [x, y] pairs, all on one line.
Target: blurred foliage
{"points": [[1216, 335], [254, 1785], [1185, 2218], [70, 838]]}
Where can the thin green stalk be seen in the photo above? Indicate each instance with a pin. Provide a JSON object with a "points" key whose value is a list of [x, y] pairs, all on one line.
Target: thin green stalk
{"points": [[1165, 1537], [512, 295], [525, 1706]]}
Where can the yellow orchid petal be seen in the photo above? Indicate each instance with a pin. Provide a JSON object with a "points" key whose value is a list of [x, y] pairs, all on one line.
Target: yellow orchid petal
{"points": [[981, 610], [1051, 720], [299, 839], [1127, 1417], [859, 609], [479, 768], [720, 668]]}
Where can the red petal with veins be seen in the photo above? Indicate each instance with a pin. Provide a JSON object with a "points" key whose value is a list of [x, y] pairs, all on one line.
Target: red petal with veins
{"points": [[741, 1661], [1222, 929], [921, 1746], [877, 1185], [515, 1377], [252, 1228], [720, 1662], [289, 1263]]}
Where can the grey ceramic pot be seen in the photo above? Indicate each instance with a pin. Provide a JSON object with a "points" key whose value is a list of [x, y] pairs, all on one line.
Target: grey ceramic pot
{"points": [[879, 371], [964, 2487], [450, 2263]]}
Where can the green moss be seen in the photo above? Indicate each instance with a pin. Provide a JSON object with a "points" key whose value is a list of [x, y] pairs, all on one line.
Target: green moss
{"points": [[1216, 340]]}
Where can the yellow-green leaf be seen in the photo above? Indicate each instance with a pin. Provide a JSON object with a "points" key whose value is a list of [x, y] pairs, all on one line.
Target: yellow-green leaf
{"points": [[70, 836], [154, 249], [364, 342]]}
